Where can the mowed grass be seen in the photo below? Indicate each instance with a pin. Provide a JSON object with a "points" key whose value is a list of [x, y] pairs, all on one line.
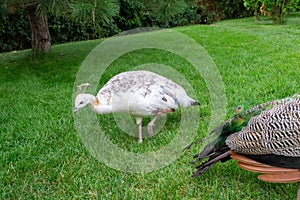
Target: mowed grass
{"points": [[42, 155]]}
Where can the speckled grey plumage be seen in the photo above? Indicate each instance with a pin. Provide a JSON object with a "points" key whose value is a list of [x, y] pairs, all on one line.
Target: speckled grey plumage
{"points": [[274, 131]]}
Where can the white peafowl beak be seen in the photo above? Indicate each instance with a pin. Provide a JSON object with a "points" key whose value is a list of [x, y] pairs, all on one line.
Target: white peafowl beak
{"points": [[75, 110], [81, 90]]}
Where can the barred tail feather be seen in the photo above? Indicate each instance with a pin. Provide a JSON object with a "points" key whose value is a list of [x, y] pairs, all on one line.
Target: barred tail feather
{"points": [[222, 155]]}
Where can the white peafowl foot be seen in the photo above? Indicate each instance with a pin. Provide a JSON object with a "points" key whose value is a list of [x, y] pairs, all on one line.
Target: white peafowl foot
{"points": [[150, 129], [140, 140], [151, 124]]}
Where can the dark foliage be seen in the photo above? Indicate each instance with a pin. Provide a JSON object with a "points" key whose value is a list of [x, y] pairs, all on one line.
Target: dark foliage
{"points": [[15, 31], [211, 10]]}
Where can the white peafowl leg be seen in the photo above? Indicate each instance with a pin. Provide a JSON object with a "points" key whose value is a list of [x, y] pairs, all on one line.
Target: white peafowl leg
{"points": [[151, 124], [139, 123]]}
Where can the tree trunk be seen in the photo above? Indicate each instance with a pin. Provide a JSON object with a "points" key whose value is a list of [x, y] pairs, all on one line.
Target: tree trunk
{"points": [[274, 13], [258, 10], [282, 10], [40, 35]]}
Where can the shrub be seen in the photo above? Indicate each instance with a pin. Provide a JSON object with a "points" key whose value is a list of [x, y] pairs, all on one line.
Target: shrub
{"points": [[14, 32], [211, 10]]}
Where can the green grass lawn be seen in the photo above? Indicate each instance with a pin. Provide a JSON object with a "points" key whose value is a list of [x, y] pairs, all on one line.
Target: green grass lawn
{"points": [[42, 155]]}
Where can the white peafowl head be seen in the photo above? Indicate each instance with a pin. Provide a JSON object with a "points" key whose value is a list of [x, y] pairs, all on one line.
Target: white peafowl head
{"points": [[83, 99]]}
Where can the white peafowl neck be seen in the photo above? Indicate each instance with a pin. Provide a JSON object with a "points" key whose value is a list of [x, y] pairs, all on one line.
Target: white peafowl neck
{"points": [[98, 107], [84, 99]]}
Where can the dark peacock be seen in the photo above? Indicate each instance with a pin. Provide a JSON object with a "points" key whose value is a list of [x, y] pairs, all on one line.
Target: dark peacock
{"points": [[264, 138]]}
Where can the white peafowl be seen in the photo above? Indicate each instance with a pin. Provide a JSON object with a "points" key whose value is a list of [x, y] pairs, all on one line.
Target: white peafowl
{"points": [[138, 93], [264, 139]]}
